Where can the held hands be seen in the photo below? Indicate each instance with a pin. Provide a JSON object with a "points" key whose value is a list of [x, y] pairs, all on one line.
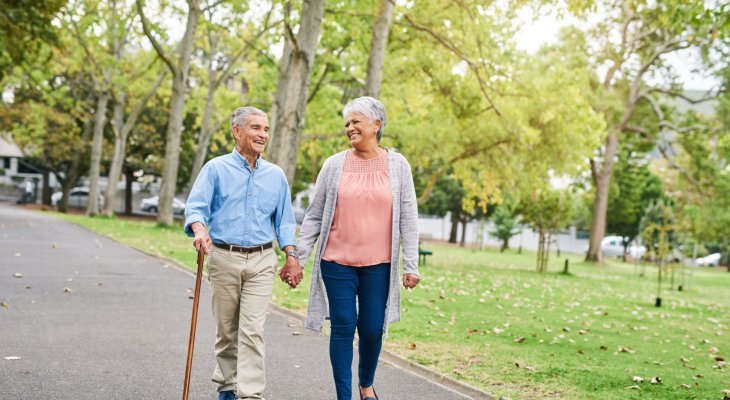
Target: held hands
{"points": [[292, 272], [410, 280]]}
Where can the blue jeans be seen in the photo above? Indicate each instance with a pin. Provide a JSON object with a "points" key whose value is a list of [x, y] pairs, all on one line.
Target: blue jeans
{"points": [[370, 286]]}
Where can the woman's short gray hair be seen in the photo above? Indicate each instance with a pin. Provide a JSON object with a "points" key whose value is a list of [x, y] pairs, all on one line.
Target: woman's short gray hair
{"points": [[369, 107], [242, 113]]}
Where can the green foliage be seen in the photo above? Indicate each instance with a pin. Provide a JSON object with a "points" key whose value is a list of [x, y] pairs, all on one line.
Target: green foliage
{"points": [[506, 224], [632, 189], [25, 27]]}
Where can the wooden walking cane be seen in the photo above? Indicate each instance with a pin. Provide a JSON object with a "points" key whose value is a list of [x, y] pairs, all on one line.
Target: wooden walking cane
{"points": [[193, 324]]}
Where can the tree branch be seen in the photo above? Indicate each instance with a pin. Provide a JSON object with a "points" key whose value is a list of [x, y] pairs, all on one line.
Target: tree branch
{"points": [[155, 44]]}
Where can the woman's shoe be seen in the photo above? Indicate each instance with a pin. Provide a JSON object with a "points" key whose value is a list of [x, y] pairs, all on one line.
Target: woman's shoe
{"points": [[369, 398]]}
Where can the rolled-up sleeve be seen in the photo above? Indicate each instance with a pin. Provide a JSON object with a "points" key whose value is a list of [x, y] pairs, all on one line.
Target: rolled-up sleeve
{"points": [[198, 204], [284, 222]]}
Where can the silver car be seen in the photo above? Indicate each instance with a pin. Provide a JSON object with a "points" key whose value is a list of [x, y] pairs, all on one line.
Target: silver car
{"points": [[77, 197], [152, 205]]}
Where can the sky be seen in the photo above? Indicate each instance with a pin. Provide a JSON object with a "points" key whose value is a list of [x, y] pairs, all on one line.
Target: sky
{"points": [[544, 30]]}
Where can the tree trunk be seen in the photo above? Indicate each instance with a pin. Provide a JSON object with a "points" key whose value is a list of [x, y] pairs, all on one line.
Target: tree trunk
{"points": [[46, 191], [504, 246], [602, 181], [289, 108], [96, 144], [206, 131], [378, 46], [540, 247], [177, 113], [120, 143], [464, 222], [128, 179], [454, 228]]}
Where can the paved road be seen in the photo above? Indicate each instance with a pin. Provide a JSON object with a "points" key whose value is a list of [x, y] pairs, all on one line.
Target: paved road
{"points": [[93, 319]]}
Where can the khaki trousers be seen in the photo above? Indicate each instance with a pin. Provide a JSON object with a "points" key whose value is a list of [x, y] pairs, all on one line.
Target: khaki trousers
{"points": [[241, 286]]}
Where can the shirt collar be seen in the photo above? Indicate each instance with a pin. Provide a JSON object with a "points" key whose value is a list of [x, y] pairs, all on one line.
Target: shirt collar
{"points": [[244, 162]]}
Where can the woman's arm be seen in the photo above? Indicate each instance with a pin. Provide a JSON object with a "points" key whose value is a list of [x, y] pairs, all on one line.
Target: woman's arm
{"points": [[309, 231]]}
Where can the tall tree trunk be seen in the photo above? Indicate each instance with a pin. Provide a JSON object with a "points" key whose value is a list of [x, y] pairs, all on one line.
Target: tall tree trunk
{"points": [[601, 180], [128, 179], [46, 191], [179, 71], [120, 143], [504, 246], [206, 132], [378, 46], [122, 129], [289, 108], [96, 144]]}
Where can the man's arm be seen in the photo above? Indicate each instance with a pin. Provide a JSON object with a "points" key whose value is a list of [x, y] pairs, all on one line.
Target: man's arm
{"points": [[292, 273], [197, 209]]}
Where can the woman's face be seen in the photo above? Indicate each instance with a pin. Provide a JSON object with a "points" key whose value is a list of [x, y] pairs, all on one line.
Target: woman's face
{"points": [[361, 131]]}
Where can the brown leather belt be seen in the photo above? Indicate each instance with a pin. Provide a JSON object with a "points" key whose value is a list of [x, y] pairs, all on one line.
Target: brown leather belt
{"points": [[240, 249]]}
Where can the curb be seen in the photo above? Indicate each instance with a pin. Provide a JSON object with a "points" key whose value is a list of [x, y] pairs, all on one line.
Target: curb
{"points": [[469, 391]]}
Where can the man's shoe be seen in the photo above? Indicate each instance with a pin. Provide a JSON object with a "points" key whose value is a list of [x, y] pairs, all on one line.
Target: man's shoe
{"points": [[227, 395]]}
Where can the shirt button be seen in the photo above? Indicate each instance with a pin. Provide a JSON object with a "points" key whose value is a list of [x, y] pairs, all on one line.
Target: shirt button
{"points": [[250, 194]]}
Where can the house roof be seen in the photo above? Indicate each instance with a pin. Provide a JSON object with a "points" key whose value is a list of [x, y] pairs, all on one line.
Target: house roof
{"points": [[8, 148]]}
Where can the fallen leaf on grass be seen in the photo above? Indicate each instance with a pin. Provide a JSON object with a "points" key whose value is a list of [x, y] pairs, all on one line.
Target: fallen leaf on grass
{"points": [[519, 339], [411, 346], [18, 275], [726, 394], [633, 387], [582, 332], [697, 376], [580, 351], [11, 358], [656, 380], [604, 348], [623, 349], [637, 379], [685, 386]]}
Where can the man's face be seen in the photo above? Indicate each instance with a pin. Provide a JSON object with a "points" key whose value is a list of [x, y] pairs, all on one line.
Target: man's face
{"points": [[251, 136]]}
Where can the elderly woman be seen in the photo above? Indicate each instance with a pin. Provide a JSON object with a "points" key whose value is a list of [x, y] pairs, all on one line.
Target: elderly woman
{"points": [[365, 215]]}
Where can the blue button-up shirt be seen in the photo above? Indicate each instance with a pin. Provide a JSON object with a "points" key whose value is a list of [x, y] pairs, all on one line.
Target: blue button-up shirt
{"points": [[242, 207]]}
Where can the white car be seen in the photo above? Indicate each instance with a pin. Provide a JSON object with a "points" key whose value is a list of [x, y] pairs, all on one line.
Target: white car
{"points": [[613, 246], [712, 260], [152, 205], [77, 197]]}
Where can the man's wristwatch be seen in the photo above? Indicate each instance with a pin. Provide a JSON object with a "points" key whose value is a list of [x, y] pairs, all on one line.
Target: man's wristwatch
{"points": [[291, 253]]}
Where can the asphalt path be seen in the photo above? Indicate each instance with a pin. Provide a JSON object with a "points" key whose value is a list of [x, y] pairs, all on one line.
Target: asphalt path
{"points": [[85, 317]]}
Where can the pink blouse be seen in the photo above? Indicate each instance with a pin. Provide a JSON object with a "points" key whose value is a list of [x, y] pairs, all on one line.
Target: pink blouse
{"points": [[361, 229]]}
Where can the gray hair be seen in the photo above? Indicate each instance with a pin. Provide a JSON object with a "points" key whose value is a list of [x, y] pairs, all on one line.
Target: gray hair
{"points": [[242, 113], [369, 107]]}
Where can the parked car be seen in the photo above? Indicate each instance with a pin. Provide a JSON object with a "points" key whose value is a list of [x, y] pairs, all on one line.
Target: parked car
{"points": [[712, 260], [152, 205], [613, 246], [77, 197]]}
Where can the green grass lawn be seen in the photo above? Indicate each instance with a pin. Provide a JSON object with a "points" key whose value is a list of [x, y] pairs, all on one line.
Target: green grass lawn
{"points": [[488, 319]]}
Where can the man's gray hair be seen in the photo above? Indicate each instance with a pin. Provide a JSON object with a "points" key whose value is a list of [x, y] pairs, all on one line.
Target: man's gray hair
{"points": [[369, 107], [242, 113]]}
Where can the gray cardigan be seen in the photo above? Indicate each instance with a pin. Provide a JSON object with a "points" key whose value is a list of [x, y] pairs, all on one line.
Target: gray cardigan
{"points": [[318, 220]]}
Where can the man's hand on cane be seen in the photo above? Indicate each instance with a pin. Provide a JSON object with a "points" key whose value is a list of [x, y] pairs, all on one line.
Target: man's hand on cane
{"points": [[202, 240]]}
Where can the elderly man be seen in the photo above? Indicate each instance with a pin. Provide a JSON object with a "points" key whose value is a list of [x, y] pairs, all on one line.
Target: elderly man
{"points": [[237, 204]]}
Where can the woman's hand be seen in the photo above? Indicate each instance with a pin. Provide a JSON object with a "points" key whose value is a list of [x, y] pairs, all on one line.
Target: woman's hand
{"points": [[410, 280]]}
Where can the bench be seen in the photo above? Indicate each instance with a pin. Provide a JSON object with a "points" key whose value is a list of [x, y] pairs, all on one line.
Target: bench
{"points": [[422, 253]]}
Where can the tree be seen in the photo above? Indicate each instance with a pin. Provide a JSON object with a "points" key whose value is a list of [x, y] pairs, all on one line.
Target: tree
{"points": [[295, 67], [631, 191], [222, 52], [25, 27], [179, 70], [647, 33], [506, 225], [547, 211], [378, 44]]}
